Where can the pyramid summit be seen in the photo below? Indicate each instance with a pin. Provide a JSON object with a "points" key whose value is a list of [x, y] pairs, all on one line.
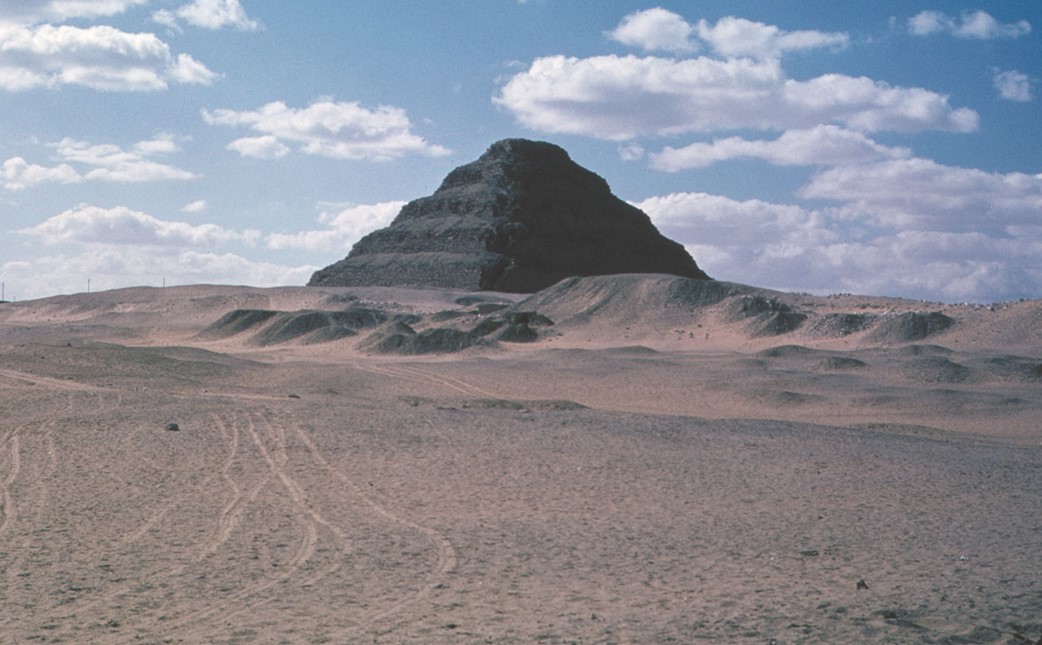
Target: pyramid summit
{"points": [[519, 219]]}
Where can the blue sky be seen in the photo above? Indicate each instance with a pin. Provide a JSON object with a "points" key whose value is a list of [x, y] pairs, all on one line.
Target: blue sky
{"points": [[888, 148]]}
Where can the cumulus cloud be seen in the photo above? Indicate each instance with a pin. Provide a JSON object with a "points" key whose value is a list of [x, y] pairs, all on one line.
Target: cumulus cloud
{"points": [[655, 29], [34, 11], [738, 37], [823, 145], [337, 130], [930, 22], [345, 225], [104, 162], [661, 30], [18, 174], [265, 147], [793, 248], [114, 267], [977, 25], [198, 206], [898, 224], [925, 195], [631, 151], [619, 98], [742, 240], [112, 163], [121, 247], [208, 14], [122, 226], [1013, 85], [99, 57], [187, 70]]}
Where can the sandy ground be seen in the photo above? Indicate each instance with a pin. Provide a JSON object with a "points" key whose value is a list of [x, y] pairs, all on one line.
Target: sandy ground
{"points": [[631, 477]]}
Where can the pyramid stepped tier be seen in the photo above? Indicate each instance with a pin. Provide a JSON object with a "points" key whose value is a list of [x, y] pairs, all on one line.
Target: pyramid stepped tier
{"points": [[519, 219]]}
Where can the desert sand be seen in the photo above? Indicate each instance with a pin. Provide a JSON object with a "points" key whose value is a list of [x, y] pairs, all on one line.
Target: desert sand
{"points": [[658, 465]]}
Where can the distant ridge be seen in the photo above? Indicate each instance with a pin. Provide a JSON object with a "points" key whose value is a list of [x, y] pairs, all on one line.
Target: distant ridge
{"points": [[519, 219]]}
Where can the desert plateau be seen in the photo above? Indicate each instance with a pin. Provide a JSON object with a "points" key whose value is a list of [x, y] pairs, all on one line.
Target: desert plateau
{"points": [[613, 459]]}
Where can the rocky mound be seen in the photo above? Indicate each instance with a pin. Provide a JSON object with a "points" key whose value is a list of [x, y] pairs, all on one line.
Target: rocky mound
{"points": [[306, 326], [624, 299], [477, 323], [768, 316], [911, 326], [519, 219], [401, 338]]}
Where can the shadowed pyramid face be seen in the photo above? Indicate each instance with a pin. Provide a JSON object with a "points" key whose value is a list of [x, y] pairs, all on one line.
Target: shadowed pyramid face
{"points": [[521, 218]]}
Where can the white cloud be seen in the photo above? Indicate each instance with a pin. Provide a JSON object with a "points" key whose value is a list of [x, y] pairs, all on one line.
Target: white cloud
{"points": [[99, 57], [792, 248], [982, 26], [139, 171], [168, 19], [121, 247], [208, 14], [345, 226], [929, 22], [655, 29], [211, 268], [661, 30], [925, 195], [908, 226], [754, 242], [338, 130], [112, 163], [116, 267], [631, 151], [823, 145], [162, 145], [1013, 85], [954, 267], [977, 25], [34, 11], [198, 206], [104, 162], [738, 37], [265, 147], [18, 174], [864, 104], [190, 71], [619, 98], [120, 226]]}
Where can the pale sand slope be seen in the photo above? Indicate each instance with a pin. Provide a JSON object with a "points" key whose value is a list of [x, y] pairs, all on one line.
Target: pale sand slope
{"points": [[625, 479]]}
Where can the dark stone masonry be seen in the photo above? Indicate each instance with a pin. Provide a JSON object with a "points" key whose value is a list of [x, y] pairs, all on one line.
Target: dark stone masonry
{"points": [[519, 219]]}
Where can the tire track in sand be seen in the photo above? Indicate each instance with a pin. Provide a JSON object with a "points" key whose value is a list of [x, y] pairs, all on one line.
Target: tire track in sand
{"points": [[30, 379], [232, 512], [12, 444], [27, 459], [275, 458], [446, 554], [417, 375], [33, 461]]}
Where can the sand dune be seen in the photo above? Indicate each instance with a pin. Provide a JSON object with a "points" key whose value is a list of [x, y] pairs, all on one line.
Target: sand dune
{"points": [[660, 460]]}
